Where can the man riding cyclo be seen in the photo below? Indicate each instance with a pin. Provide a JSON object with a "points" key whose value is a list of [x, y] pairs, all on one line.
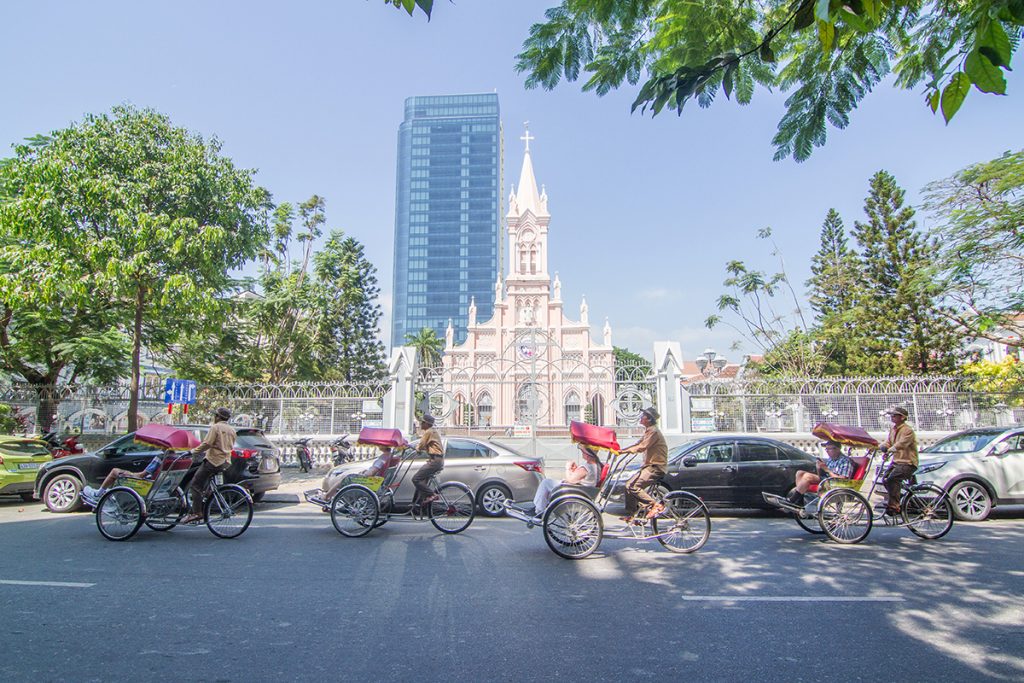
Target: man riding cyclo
{"points": [[902, 442], [430, 444], [655, 449], [217, 445]]}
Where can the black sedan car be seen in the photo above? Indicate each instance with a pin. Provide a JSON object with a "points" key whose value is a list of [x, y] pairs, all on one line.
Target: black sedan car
{"points": [[730, 471], [256, 465]]}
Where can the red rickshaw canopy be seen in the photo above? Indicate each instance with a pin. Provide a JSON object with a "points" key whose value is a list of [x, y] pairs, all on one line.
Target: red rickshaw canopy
{"points": [[376, 436], [592, 435], [848, 436], [168, 437]]}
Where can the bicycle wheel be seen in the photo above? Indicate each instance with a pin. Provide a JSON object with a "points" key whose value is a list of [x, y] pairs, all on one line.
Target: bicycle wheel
{"points": [[165, 514], [927, 511], [454, 509], [573, 527], [845, 516], [228, 511], [685, 526], [354, 511], [119, 514]]}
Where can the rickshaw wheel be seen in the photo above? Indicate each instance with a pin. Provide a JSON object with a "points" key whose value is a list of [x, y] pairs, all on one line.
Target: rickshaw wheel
{"points": [[354, 511], [454, 510], [119, 514], [573, 527], [845, 516], [232, 518], [810, 525], [166, 514], [686, 523], [927, 511]]}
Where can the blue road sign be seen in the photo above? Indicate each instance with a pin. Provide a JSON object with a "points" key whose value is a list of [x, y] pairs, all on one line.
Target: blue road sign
{"points": [[180, 391]]}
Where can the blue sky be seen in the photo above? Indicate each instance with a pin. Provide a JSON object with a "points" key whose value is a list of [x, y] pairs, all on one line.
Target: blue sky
{"points": [[645, 212]]}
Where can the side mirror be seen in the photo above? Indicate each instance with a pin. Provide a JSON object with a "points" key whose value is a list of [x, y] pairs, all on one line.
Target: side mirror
{"points": [[1002, 448], [689, 461]]}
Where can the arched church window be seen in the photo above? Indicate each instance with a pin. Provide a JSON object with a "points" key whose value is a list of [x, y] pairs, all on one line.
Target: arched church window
{"points": [[485, 409], [573, 408], [533, 260]]}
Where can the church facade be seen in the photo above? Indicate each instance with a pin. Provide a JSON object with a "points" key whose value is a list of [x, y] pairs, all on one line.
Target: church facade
{"points": [[529, 364]]}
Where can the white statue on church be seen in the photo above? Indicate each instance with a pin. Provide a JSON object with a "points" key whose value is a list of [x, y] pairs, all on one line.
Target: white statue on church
{"points": [[558, 288]]}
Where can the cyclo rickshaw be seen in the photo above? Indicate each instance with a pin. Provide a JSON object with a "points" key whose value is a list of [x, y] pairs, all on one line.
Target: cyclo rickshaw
{"points": [[160, 502], [840, 509], [366, 501], [573, 520]]}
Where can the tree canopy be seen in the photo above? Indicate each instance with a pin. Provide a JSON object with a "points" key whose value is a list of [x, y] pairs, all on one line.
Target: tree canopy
{"points": [[828, 54]]}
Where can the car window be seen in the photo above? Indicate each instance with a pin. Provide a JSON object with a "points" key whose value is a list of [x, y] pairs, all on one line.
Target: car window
{"points": [[758, 452], [23, 448], [715, 452], [456, 448], [963, 443], [129, 445], [252, 440], [1016, 442]]}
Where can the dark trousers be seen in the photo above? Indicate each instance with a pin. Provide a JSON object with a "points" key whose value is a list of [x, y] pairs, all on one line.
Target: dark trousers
{"points": [[199, 481], [636, 487], [422, 477], [897, 475]]}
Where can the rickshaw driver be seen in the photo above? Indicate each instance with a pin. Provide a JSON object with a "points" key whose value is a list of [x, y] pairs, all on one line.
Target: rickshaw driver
{"points": [[903, 442], [430, 443], [837, 465], [217, 445], [652, 444]]}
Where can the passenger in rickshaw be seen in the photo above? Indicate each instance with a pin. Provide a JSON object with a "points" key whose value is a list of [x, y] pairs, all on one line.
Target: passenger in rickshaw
{"points": [[655, 449], [836, 465], [430, 443], [588, 473], [89, 493], [378, 468]]}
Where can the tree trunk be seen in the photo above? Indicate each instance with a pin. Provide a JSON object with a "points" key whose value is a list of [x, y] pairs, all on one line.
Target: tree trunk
{"points": [[133, 392]]}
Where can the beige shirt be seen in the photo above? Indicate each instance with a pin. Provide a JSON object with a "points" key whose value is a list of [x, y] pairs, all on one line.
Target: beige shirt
{"points": [[218, 443], [654, 447], [903, 442], [430, 442]]}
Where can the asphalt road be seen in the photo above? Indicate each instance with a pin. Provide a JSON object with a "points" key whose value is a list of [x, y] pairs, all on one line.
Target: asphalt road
{"points": [[292, 600]]}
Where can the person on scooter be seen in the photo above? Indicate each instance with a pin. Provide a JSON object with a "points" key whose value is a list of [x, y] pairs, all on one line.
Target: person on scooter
{"points": [[217, 445]]}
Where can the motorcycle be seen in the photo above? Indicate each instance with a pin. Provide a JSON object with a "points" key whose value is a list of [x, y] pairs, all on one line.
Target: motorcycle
{"points": [[341, 451], [304, 454], [62, 449]]}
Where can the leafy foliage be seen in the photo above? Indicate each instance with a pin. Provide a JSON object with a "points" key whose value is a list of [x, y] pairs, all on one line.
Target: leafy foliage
{"points": [[428, 346], [980, 261], [410, 6], [833, 288], [1004, 377], [831, 53], [629, 365]]}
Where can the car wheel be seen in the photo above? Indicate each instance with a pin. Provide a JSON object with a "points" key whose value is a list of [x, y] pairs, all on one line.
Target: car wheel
{"points": [[61, 493], [492, 499], [971, 501], [258, 497]]}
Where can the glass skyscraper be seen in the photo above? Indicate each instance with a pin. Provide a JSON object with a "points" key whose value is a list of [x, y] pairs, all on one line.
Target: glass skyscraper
{"points": [[448, 242]]}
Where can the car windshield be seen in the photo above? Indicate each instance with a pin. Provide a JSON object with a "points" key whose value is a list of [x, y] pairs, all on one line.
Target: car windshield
{"points": [[968, 442], [252, 440], [23, 448]]}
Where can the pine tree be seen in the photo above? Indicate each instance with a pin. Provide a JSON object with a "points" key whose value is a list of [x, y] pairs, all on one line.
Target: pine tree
{"points": [[833, 287], [897, 315]]}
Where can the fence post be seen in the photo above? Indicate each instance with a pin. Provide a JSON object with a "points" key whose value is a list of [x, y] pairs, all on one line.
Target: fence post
{"points": [[400, 401], [667, 356]]}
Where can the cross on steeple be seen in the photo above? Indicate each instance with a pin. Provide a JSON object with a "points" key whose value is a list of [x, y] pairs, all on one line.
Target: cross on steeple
{"points": [[527, 137]]}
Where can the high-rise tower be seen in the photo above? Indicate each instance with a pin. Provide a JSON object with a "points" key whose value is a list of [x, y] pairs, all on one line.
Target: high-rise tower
{"points": [[448, 242]]}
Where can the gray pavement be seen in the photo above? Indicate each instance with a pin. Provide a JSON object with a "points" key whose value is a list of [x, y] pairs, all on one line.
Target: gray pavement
{"points": [[293, 600]]}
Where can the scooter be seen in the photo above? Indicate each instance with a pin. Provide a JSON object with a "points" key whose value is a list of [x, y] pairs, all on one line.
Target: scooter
{"points": [[340, 451], [304, 455], [62, 449]]}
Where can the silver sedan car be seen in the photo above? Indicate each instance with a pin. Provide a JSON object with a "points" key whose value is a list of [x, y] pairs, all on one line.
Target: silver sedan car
{"points": [[495, 473]]}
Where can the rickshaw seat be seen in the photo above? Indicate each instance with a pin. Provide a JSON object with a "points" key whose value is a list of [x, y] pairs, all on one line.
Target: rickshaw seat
{"points": [[604, 474], [860, 468]]}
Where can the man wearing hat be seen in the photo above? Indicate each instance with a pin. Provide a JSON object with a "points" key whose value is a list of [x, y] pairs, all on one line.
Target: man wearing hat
{"points": [[903, 442], [430, 443], [837, 465], [655, 451], [217, 445]]}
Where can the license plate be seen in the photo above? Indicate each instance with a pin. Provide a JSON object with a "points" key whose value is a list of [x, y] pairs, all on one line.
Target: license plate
{"points": [[28, 465]]}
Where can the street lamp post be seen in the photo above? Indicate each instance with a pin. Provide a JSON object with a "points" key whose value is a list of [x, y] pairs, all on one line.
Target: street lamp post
{"points": [[710, 363]]}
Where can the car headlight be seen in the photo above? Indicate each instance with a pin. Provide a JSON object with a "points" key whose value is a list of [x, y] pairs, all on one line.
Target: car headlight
{"points": [[931, 467]]}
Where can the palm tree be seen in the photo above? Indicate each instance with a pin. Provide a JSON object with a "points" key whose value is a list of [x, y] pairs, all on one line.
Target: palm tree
{"points": [[428, 345]]}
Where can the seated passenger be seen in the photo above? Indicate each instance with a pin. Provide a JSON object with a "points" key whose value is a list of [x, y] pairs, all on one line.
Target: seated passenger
{"points": [[586, 474], [837, 465], [378, 468], [89, 494]]}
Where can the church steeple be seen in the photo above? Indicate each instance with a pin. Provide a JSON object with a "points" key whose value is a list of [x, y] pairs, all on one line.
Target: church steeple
{"points": [[528, 198]]}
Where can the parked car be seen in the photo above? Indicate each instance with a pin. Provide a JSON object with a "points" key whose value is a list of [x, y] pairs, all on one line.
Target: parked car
{"points": [[20, 460], [256, 465], [729, 471], [494, 473], [982, 468]]}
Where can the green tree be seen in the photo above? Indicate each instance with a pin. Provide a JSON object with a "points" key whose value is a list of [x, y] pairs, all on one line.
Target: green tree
{"points": [[410, 6], [832, 294], [427, 344], [979, 212], [829, 53], [129, 210], [900, 324], [346, 285], [1006, 377], [630, 366]]}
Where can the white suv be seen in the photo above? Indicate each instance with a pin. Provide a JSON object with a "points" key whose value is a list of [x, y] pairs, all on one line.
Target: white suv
{"points": [[982, 468]]}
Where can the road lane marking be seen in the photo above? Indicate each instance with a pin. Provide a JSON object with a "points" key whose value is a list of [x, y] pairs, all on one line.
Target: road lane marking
{"points": [[55, 584], [790, 598]]}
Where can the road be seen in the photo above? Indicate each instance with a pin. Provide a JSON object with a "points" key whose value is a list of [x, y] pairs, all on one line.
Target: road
{"points": [[293, 600]]}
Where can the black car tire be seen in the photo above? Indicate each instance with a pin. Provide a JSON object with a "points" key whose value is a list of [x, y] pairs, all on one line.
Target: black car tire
{"points": [[971, 501], [258, 497], [491, 499], [61, 494]]}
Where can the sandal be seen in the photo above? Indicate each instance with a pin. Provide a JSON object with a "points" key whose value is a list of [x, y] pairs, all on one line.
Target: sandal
{"points": [[655, 510], [191, 519]]}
